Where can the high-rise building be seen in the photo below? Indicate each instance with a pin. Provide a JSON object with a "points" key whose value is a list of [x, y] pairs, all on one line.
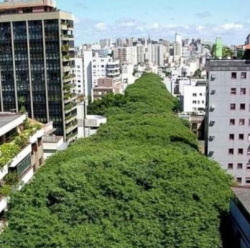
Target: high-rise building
{"points": [[178, 45], [131, 55], [218, 51], [79, 80], [140, 54], [119, 42], [228, 120], [36, 62]]}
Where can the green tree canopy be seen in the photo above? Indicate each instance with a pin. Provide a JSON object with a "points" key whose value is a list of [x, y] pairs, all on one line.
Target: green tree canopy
{"points": [[140, 182]]}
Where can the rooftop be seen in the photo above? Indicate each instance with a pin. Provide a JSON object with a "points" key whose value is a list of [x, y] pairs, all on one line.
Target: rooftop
{"points": [[228, 65], [243, 194], [6, 118], [26, 4]]}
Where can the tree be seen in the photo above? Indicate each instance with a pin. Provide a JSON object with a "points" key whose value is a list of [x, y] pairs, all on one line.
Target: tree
{"points": [[197, 73], [227, 52], [211, 50], [139, 182]]}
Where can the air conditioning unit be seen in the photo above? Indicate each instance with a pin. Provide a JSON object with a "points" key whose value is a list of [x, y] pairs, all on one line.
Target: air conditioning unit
{"points": [[212, 78], [211, 123], [211, 138], [213, 92], [210, 154], [212, 108]]}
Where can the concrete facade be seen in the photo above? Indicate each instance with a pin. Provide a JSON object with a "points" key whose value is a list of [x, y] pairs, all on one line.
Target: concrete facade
{"points": [[228, 119]]}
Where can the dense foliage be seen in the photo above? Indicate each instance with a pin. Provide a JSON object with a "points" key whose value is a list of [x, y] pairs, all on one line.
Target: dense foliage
{"points": [[140, 182]]}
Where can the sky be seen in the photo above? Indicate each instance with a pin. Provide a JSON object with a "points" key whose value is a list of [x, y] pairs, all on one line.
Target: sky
{"points": [[206, 19]]}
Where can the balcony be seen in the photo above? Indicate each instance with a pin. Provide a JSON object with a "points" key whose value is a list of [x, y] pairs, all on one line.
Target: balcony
{"points": [[70, 118], [72, 127], [67, 37], [68, 108], [66, 68], [36, 136], [21, 156], [69, 98], [71, 137]]}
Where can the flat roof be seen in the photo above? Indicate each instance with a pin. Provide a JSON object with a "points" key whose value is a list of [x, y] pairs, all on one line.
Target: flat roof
{"points": [[6, 118], [228, 65], [26, 4], [243, 194]]}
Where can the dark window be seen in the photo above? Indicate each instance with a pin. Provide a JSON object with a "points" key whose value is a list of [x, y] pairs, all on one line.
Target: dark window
{"points": [[239, 179], [239, 166], [232, 106], [242, 106], [240, 151], [233, 91], [241, 136], [232, 122], [231, 136], [243, 91], [231, 151], [230, 166], [243, 75], [234, 75]]}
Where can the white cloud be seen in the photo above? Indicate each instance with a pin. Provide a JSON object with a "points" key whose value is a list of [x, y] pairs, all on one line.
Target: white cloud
{"points": [[155, 25], [101, 26], [200, 28], [231, 26]]}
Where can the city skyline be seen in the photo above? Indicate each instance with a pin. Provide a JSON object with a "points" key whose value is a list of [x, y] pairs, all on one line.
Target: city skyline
{"points": [[95, 20]]}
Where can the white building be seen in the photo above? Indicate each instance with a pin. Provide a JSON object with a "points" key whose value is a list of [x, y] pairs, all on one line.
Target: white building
{"points": [[178, 45], [99, 68], [194, 97], [140, 54], [131, 55], [79, 80], [87, 72]]}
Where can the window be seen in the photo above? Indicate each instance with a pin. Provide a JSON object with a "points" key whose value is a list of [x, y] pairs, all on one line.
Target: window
{"points": [[248, 151], [248, 138], [243, 75], [239, 166], [194, 102], [240, 151], [230, 166], [234, 75], [231, 136], [194, 94], [247, 180], [241, 136], [200, 94], [231, 151], [243, 91], [232, 122], [241, 122], [248, 166], [242, 106], [233, 91], [232, 106], [239, 179]]}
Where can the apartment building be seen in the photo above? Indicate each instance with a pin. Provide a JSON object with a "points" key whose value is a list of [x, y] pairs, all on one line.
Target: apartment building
{"points": [[99, 68], [228, 118], [36, 61], [78, 81], [194, 97]]}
